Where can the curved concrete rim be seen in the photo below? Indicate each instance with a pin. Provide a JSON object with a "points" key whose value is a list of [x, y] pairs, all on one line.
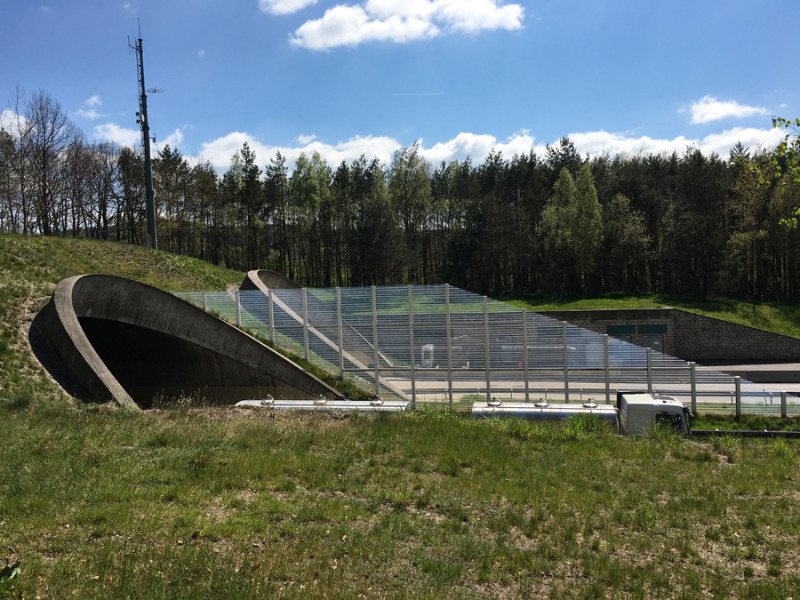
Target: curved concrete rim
{"points": [[215, 349], [264, 280]]}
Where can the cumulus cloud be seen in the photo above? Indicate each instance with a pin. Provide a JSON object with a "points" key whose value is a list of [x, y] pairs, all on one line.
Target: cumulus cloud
{"points": [[111, 132], [220, 151], [402, 21], [709, 109], [478, 146], [284, 7]]}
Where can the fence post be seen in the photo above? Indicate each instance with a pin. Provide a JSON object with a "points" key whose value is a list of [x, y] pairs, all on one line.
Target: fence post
{"points": [[737, 382], [339, 330], [238, 309], [270, 308], [305, 323], [783, 404], [375, 340], [411, 347], [649, 357], [205, 301], [486, 347], [525, 353], [607, 368], [449, 344], [566, 361]]}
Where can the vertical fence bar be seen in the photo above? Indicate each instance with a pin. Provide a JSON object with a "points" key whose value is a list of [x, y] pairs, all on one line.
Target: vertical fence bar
{"points": [[737, 383], [449, 344], [271, 310], [649, 356], [305, 323], [486, 347], [783, 404], [411, 347], [693, 385], [525, 354], [375, 356], [339, 330], [607, 367], [566, 360], [205, 301], [238, 309]]}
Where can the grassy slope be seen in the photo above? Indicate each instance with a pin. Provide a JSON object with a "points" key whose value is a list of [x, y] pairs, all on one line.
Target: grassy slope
{"points": [[779, 318], [102, 503], [31, 266]]}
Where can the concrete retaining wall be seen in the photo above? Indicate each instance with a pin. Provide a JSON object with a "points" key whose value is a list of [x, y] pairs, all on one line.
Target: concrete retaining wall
{"points": [[687, 335]]}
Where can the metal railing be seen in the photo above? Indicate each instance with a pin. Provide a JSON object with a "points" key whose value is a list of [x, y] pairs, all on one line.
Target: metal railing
{"points": [[447, 345]]}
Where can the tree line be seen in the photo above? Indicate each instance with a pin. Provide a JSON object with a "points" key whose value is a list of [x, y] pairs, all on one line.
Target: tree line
{"points": [[555, 224]]}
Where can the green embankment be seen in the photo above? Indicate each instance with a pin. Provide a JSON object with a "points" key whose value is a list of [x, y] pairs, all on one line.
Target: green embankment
{"points": [[30, 268], [99, 502]]}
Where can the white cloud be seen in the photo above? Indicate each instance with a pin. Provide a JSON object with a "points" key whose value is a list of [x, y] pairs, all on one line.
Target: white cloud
{"points": [[173, 140], [478, 146], [402, 21], [750, 137], [12, 122], [93, 101], [709, 109], [89, 114], [219, 152], [112, 132], [284, 7]]}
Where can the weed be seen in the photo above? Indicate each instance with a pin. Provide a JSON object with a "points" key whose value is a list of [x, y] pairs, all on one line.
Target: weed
{"points": [[7, 576], [585, 427]]}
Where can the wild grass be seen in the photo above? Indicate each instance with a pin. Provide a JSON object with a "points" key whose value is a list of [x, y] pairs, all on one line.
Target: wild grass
{"points": [[104, 503]]}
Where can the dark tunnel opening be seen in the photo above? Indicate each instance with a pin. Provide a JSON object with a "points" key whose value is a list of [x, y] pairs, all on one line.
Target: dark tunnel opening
{"points": [[150, 365]]}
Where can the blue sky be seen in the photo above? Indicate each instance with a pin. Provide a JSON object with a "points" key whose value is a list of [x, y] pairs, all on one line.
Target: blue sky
{"points": [[369, 76]]}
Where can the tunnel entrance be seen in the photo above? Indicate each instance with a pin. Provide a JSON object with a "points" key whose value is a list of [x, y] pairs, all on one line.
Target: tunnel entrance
{"points": [[150, 364]]}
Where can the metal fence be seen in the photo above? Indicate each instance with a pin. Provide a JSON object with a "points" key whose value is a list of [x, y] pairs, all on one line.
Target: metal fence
{"points": [[447, 345]]}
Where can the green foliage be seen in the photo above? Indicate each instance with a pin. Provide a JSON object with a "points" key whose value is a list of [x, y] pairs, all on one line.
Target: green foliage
{"points": [[7, 576]]}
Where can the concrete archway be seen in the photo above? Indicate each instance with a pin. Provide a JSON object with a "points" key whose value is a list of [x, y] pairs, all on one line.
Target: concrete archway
{"points": [[263, 279], [110, 338]]}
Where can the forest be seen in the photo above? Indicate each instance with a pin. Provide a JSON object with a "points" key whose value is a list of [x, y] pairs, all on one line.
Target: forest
{"points": [[560, 224]]}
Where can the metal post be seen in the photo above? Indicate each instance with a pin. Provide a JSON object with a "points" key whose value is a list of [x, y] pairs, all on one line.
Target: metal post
{"points": [[737, 382], [270, 306], [783, 404], [150, 206], [525, 354], [648, 354], [607, 368], [486, 347], [693, 385], [339, 330], [566, 361], [411, 347], [375, 356], [305, 323], [205, 301], [238, 309], [449, 344]]}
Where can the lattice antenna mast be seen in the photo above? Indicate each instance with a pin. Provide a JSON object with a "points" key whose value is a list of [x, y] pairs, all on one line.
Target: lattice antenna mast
{"points": [[141, 119]]}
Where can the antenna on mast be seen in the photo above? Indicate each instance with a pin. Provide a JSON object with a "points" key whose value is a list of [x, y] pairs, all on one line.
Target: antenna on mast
{"points": [[141, 119]]}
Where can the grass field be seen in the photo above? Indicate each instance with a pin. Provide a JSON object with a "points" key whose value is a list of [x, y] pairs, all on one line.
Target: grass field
{"points": [[98, 502]]}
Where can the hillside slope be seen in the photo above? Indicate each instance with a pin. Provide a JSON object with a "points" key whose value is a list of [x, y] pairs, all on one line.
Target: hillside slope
{"points": [[30, 268]]}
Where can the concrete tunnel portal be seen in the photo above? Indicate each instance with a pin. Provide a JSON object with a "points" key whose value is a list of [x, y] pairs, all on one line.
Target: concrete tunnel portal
{"points": [[109, 338]]}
